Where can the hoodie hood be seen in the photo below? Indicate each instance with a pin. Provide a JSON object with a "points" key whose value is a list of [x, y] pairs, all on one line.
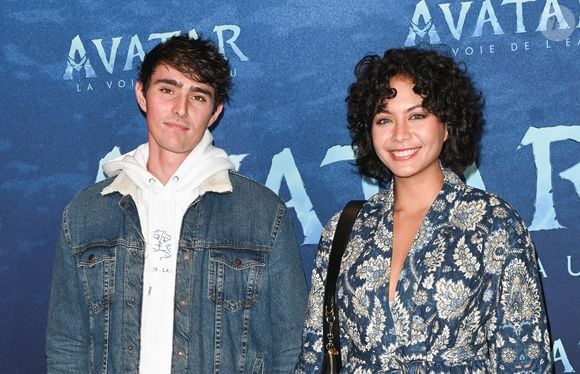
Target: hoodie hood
{"points": [[204, 161]]}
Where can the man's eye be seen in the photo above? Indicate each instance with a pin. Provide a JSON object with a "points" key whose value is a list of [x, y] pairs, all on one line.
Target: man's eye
{"points": [[165, 90], [200, 99]]}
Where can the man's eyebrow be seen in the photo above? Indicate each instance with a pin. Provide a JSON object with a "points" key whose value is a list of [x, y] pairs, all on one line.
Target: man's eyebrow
{"points": [[200, 90], [171, 82], [179, 84]]}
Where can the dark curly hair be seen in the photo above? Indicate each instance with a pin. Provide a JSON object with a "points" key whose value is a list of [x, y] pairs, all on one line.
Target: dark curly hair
{"points": [[198, 59], [447, 92]]}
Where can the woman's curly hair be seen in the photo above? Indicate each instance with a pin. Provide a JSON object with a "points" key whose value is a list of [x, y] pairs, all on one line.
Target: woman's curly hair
{"points": [[448, 93]]}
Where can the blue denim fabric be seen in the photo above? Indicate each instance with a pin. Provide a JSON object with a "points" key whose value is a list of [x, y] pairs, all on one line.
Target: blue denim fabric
{"points": [[240, 296]]}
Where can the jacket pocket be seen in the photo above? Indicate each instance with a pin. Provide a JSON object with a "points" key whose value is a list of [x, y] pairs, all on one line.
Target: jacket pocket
{"points": [[235, 277], [97, 272]]}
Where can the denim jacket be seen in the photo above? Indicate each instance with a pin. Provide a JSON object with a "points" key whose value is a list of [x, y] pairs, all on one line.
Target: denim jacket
{"points": [[240, 292]]}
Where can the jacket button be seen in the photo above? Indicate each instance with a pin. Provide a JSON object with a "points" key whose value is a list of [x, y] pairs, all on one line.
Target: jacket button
{"points": [[237, 262], [180, 352], [183, 302], [186, 256], [91, 257], [131, 300], [130, 348]]}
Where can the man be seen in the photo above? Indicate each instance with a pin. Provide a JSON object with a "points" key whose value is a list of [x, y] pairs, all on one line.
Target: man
{"points": [[176, 264]]}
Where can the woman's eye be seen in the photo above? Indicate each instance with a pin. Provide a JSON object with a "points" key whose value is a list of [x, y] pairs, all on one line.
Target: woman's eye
{"points": [[418, 116], [382, 121]]}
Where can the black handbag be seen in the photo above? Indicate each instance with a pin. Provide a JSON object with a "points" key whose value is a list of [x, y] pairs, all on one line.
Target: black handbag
{"points": [[331, 362]]}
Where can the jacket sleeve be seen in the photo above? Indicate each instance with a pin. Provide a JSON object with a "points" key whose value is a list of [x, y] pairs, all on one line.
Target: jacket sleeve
{"points": [[518, 336], [310, 360], [287, 297], [67, 347]]}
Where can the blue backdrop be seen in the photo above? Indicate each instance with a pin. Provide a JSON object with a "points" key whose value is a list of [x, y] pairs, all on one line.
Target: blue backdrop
{"points": [[67, 102]]}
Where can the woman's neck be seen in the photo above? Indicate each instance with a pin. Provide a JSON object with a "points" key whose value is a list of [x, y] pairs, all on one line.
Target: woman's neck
{"points": [[417, 193]]}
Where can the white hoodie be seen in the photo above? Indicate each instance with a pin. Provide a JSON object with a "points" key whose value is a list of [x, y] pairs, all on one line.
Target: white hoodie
{"points": [[161, 209]]}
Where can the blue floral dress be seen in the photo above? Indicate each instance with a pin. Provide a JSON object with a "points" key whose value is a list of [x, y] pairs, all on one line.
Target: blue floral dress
{"points": [[468, 300]]}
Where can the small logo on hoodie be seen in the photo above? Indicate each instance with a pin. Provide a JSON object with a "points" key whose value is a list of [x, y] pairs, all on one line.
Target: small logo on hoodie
{"points": [[162, 245]]}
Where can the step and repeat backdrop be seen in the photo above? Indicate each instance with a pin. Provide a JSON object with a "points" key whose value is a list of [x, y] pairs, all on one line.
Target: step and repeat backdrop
{"points": [[67, 103]]}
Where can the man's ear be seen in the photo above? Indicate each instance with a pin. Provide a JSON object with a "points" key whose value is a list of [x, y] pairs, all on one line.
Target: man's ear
{"points": [[215, 115], [140, 96]]}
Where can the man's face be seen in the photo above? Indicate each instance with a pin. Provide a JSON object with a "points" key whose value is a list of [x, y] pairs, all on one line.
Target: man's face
{"points": [[178, 110]]}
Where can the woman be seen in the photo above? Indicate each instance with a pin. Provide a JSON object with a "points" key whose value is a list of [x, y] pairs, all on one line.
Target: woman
{"points": [[438, 277]]}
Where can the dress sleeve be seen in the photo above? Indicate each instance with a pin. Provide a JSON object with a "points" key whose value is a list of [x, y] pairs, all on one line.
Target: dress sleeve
{"points": [[518, 336], [310, 360]]}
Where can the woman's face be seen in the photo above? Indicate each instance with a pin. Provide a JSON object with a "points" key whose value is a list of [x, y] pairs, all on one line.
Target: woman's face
{"points": [[407, 138]]}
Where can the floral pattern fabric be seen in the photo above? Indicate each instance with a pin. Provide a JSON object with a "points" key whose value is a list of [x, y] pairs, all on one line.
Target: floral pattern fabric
{"points": [[468, 299]]}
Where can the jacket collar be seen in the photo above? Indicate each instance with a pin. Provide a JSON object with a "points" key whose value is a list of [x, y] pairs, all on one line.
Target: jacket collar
{"points": [[218, 183]]}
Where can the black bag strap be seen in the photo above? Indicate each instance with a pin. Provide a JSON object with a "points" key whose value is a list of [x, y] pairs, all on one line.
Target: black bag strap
{"points": [[330, 331]]}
